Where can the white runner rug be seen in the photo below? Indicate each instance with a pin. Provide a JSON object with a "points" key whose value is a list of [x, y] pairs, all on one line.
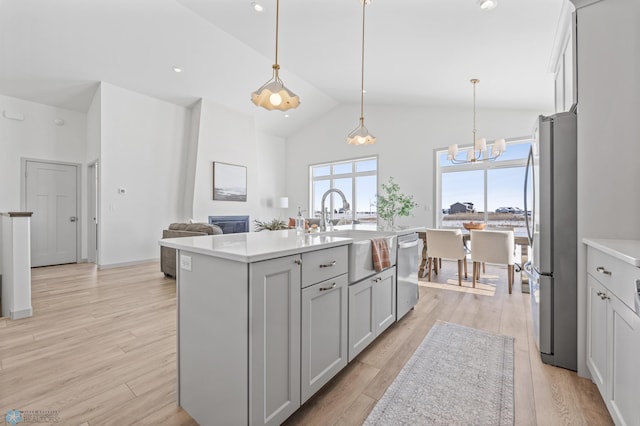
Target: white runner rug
{"points": [[457, 376]]}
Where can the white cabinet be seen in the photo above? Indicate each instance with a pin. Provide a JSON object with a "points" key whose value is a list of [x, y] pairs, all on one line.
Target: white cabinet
{"points": [[624, 373], [324, 333], [597, 333], [565, 64], [274, 340], [384, 298], [361, 320], [613, 334], [372, 309]]}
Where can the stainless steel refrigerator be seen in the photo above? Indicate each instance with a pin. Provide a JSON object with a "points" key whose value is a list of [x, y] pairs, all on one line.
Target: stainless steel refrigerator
{"points": [[551, 213]]}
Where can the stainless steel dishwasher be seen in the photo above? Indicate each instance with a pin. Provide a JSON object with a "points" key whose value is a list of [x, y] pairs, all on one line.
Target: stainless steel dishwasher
{"points": [[407, 270]]}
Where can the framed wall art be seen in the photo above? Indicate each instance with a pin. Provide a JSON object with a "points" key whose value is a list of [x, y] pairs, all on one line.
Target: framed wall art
{"points": [[229, 182]]}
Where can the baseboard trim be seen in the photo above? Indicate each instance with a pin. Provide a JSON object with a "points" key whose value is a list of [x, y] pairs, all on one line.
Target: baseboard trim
{"points": [[123, 264], [22, 313]]}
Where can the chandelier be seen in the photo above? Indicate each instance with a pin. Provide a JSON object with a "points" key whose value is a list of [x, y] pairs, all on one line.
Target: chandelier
{"points": [[273, 94], [360, 135], [480, 151]]}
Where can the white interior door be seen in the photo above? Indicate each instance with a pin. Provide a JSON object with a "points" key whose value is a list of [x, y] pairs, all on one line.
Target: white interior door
{"points": [[51, 196]]}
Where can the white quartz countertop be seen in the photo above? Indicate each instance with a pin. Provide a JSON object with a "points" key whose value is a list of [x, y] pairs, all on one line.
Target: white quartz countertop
{"points": [[378, 229], [625, 250], [255, 246]]}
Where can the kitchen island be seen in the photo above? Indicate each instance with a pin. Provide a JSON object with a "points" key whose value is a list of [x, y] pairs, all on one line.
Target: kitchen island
{"points": [[263, 321]]}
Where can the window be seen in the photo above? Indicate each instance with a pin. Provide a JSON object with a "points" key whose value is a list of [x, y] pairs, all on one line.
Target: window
{"points": [[489, 191], [357, 179]]}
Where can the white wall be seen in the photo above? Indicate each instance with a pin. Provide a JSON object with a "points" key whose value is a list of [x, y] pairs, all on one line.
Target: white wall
{"points": [[230, 137], [407, 137], [94, 139], [160, 153], [608, 129], [94, 127], [191, 161], [142, 150], [38, 137], [271, 177]]}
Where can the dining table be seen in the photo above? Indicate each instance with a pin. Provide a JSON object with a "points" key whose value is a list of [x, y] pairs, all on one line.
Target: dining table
{"points": [[520, 239]]}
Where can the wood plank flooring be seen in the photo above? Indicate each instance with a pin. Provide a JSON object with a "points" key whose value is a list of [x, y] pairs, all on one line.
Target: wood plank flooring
{"points": [[101, 350]]}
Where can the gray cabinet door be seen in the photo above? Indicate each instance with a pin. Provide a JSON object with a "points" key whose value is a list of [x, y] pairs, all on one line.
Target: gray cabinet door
{"points": [[274, 340], [384, 296], [324, 333], [361, 320]]}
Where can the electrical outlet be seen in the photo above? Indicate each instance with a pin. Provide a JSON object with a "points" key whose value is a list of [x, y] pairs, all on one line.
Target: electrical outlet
{"points": [[185, 262]]}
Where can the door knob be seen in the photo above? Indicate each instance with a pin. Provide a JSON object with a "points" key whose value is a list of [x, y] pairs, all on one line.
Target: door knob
{"points": [[72, 219]]}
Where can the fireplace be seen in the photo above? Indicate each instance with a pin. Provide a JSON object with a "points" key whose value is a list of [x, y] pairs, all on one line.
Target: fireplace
{"points": [[231, 224]]}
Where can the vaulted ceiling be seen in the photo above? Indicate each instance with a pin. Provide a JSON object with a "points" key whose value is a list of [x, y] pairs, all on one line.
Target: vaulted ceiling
{"points": [[417, 52]]}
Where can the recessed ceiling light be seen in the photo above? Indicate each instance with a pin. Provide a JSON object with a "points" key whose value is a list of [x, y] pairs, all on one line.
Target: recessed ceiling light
{"points": [[257, 6], [286, 116], [177, 69], [488, 4]]}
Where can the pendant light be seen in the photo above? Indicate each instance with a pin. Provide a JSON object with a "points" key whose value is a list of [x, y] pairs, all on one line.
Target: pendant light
{"points": [[480, 150], [360, 135], [273, 94]]}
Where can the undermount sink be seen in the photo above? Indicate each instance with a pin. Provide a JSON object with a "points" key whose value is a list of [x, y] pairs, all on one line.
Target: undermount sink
{"points": [[360, 260]]}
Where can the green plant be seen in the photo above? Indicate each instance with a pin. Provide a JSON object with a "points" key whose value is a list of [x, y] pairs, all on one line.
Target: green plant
{"points": [[272, 225], [393, 202]]}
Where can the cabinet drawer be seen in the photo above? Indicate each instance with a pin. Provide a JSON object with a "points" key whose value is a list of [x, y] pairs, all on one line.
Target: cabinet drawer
{"points": [[324, 264], [616, 275], [600, 266]]}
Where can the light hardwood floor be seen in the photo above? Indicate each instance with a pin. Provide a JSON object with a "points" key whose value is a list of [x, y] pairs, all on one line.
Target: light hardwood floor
{"points": [[101, 350]]}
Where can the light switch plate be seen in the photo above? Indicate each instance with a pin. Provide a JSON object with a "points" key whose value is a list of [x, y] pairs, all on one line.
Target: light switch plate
{"points": [[185, 262]]}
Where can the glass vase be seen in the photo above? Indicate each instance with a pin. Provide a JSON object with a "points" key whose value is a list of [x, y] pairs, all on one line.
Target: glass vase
{"points": [[391, 223]]}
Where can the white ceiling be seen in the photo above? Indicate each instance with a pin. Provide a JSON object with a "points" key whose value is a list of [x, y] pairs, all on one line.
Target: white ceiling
{"points": [[418, 52]]}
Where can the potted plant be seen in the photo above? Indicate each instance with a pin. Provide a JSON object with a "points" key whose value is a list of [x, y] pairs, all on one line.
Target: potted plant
{"points": [[393, 203], [272, 225]]}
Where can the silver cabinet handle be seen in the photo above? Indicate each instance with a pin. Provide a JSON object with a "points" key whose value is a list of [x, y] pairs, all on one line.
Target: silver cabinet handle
{"points": [[602, 270], [328, 288], [600, 294], [407, 245], [328, 265], [298, 262], [376, 280], [73, 219]]}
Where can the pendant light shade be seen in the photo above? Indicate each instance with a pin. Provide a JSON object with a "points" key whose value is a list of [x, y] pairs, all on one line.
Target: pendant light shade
{"points": [[360, 135], [273, 94]]}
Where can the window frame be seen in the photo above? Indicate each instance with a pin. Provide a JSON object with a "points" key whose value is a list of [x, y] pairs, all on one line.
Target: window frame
{"points": [[331, 177], [484, 166]]}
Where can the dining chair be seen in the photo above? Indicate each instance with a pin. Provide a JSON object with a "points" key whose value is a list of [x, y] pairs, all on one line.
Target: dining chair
{"points": [[446, 244], [493, 247]]}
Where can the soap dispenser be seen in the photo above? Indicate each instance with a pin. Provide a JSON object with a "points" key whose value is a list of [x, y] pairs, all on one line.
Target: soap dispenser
{"points": [[299, 221]]}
